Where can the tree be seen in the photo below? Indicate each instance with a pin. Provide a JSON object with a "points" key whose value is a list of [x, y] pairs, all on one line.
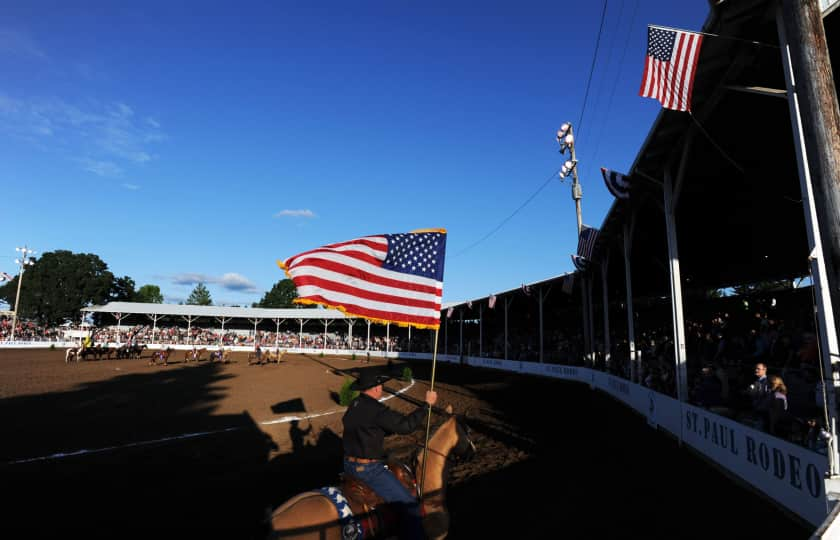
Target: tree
{"points": [[280, 296], [200, 296], [122, 290], [149, 294], [59, 284]]}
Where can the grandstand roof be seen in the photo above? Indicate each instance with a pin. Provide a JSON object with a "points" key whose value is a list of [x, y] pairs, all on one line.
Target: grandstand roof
{"points": [[740, 215], [141, 308]]}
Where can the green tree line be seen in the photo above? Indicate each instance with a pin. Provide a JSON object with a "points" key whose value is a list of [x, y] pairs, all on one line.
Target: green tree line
{"points": [[60, 283]]}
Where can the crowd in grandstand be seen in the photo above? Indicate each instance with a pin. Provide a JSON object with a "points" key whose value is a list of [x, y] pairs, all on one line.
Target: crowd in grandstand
{"points": [[751, 366], [174, 335], [28, 331], [724, 354]]}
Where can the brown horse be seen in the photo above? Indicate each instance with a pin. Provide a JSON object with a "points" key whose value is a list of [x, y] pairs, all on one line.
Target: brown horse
{"points": [[312, 515]]}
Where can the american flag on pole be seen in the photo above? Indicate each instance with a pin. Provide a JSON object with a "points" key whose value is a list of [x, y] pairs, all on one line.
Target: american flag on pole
{"points": [[396, 278], [670, 67], [5, 277], [586, 241], [586, 245]]}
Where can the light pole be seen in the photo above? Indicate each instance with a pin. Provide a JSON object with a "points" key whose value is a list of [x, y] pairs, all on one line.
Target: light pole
{"points": [[566, 138], [24, 261]]}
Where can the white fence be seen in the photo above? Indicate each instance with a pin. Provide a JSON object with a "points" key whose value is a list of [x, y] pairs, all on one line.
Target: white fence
{"points": [[789, 474]]}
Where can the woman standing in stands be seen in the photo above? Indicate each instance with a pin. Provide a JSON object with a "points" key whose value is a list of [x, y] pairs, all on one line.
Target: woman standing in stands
{"points": [[778, 418]]}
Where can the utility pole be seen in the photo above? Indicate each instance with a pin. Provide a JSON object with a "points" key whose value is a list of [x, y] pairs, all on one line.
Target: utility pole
{"points": [[24, 261], [817, 96], [815, 119]]}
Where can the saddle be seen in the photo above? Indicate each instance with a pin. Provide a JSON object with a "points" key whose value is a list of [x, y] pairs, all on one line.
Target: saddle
{"points": [[378, 519]]}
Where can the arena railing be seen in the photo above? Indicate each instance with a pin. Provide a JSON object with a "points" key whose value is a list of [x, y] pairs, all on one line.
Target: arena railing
{"points": [[789, 474]]}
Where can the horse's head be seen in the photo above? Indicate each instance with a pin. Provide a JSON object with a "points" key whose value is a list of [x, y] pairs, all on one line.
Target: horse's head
{"points": [[464, 448]]}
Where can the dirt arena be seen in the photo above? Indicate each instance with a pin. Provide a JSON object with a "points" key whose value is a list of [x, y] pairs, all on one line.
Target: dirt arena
{"points": [[119, 447]]}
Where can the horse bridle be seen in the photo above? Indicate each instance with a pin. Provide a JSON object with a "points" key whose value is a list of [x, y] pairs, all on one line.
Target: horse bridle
{"points": [[448, 458]]}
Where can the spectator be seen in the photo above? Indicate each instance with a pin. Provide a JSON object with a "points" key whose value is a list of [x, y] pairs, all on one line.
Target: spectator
{"points": [[759, 389], [709, 391], [778, 418]]}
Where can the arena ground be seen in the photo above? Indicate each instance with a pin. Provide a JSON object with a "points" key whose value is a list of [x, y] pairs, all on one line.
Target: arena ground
{"points": [[119, 447]]}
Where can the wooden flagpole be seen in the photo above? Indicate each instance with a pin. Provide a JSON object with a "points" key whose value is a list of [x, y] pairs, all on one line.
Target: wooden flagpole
{"points": [[429, 419]]}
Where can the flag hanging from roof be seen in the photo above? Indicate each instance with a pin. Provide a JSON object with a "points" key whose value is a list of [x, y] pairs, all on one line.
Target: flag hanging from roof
{"points": [[568, 282], [449, 312], [469, 304], [586, 245], [670, 67], [586, 241], [581, 264], [396, 278], [526, 289], [491, 302], [617, 183], [5, 277]]}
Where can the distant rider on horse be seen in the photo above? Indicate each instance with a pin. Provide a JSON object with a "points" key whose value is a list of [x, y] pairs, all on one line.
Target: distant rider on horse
{"points": [[366, 423]]}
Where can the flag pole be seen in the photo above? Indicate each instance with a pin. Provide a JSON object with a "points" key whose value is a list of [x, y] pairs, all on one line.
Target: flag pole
{"points": [[429, 419]]}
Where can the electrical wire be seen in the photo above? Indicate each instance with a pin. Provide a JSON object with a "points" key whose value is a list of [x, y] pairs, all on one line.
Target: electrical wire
{"points": [[599, 119], [591, 70], [553, 175], [617, 77], [500, 225]]}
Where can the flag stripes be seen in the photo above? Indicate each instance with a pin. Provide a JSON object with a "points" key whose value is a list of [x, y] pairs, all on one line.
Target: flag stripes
{"points": [[387, 278], [670, 67]]}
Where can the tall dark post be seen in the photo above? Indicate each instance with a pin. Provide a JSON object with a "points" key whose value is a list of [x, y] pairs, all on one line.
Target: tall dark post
{"points": [[803, 26]]}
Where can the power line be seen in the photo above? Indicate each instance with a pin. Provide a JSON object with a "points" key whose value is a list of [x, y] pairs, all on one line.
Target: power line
{"points": [[617, 76], [500, 225], [591, 69], [599, 117], [553, 175]]}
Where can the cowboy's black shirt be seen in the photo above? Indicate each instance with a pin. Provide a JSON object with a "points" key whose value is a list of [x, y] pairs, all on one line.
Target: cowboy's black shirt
{"points": [[366, 423]]}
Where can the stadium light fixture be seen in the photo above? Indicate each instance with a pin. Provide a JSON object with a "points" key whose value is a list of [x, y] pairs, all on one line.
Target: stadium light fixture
{"points": [[566, 140], [23, 262]]}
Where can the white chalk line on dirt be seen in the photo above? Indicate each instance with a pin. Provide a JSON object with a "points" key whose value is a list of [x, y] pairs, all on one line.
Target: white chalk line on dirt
{"points": [[283, 420]]}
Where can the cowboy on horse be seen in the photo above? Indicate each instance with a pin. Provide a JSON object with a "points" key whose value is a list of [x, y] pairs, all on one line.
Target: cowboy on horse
{"points": [[366, 423]]}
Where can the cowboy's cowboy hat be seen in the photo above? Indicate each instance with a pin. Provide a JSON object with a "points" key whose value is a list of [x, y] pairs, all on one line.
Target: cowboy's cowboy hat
{"points": [[368, 379]]}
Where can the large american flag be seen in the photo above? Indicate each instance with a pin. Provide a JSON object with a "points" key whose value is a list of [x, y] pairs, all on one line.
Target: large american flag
{"points": [[670, 67], [394, 278]]}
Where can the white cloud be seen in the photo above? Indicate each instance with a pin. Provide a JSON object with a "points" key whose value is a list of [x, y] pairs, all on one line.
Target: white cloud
{"points": [[296, 213], [190, 279], [152, 122], [236, 282], [132, 187], [110, 132], [107, 169], [20, 44], [230, 281]]}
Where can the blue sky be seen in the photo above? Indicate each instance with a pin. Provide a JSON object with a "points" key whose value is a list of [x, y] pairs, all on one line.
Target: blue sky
{"points": [[204, 141]]}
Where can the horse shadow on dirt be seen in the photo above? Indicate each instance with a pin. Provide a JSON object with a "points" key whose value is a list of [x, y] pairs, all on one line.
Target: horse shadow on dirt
{"points": [[140, 452]]}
